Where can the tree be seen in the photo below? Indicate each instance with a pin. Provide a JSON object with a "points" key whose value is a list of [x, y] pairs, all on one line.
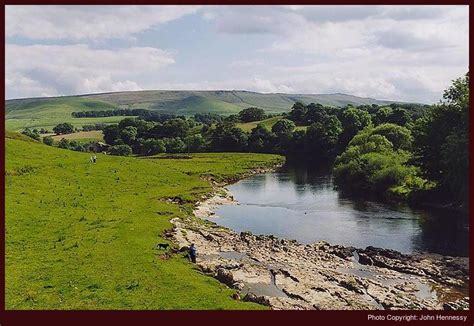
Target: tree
{"points": [[382, 115], [195, 143], [399, 116], [441, 141], [120, 150], [228, 138], [353, 120], [48, 140], [251, 114], [283, 127], [371, 164], [298, 113], [63, 128], [129, 135], [322, 137], [261, 140], [174, 145], [152, 146], [315, 113], [111, 134], [283, 130], [399, 136]]}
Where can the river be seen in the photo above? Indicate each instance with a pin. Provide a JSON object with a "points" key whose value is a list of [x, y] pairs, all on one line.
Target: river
{"points": [[303, 205]]}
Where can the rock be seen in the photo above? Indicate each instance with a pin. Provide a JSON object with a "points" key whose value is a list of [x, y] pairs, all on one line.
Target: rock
{"points": [[225, 276], [461, 304], [321, 275]]}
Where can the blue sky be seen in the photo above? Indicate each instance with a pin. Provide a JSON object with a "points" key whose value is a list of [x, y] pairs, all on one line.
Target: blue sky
{"points": [[408, 53]]}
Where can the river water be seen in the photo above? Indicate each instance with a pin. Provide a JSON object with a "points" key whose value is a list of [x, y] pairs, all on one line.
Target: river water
{"points": [[303, 205]]}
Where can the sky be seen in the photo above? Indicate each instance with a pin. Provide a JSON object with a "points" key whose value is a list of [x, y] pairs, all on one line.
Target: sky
{"points": [[403, 53]]}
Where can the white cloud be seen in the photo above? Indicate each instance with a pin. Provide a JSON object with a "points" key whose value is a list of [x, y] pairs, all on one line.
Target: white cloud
{"points": [[87, 22], [58, 70], [408, 53]]}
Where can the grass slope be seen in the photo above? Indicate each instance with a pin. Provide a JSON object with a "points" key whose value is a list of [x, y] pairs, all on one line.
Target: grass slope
{"points": [[46, 112], [81, 236]]}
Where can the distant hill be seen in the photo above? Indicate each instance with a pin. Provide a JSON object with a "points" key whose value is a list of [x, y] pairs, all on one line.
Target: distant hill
{"points": [[48, 111]]}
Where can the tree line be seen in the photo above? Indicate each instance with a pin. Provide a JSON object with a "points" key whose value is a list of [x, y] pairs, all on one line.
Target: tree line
{"points": [[403, 151]]}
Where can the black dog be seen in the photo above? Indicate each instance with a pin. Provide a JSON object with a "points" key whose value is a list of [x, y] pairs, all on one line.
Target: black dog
{"points": [[162, 245]]}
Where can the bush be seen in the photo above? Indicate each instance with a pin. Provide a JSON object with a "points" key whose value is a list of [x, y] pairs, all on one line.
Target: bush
{"points": [[31, 133], [48, 140]]}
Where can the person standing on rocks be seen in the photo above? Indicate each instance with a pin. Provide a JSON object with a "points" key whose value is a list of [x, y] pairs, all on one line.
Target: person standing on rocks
{"points": [[192, 252]]}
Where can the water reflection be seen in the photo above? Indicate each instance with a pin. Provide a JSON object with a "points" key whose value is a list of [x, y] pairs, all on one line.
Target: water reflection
{"points": [[303, 205]]}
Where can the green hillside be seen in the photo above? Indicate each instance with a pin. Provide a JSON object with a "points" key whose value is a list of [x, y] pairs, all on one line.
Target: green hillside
{"points": [[81, 235], [47, 112]]}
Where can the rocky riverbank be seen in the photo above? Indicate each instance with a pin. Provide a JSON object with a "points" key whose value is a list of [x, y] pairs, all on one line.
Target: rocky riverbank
{"points": [[284, 274]]}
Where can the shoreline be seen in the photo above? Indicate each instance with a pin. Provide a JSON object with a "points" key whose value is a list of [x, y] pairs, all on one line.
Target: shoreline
{"points": [[285, 274]]}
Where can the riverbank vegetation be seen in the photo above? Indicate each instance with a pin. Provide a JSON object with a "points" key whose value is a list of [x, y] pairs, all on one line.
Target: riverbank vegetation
{"points": [[82, 236]]}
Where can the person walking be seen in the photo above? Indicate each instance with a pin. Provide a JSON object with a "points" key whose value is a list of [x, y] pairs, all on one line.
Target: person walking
{"points": [[192, 252]]}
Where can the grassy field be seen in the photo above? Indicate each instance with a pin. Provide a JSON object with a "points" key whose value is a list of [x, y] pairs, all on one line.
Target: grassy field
{"points": [[268, 123], [48, 112], [82, 136], [81, 235]]}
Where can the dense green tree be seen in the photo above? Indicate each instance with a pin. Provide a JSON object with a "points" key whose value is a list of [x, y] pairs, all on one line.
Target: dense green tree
{"points": [[120, 150], [283, 127], [441, 141], [251, 114], [227, 137], [195, 143], [63, 128], [261, 140], [353, 120], [152, 146], [371, 165], [174, 145], [399, 136], [381, 115], [322, 137], [298, 113], [111, 134], [129, 135], [399, 116]]}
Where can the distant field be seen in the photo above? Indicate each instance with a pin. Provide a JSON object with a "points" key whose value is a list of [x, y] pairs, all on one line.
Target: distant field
{"points": [[82, 135], [268, 123], [48, 112], [81, 235]]}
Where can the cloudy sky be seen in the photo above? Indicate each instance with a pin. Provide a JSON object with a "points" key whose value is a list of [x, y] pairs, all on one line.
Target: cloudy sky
{"points": [[408, 53]]}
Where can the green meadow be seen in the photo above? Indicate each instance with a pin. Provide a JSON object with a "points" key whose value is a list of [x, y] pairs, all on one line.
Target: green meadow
{"points": [[49, 112], [82, 235]]}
